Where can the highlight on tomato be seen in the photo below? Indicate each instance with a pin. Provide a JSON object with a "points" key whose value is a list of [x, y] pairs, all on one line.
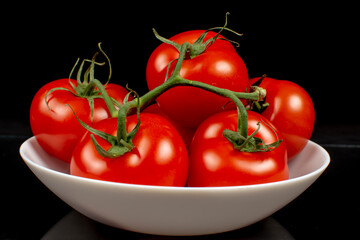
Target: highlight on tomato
{"points": [[290, 109], [215, 162], [211, 60], [186, 133], [155, 155]]}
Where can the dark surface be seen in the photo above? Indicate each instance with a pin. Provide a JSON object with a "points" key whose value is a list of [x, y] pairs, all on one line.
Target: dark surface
{"points": [[312, 45], [327, 209]]}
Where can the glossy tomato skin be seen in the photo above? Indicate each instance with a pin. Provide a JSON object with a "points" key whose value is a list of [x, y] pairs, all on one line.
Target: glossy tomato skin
{"points": [[159, 157], [56, 129], [291, 110], [219, 65], [186, 133], [214, 162]]}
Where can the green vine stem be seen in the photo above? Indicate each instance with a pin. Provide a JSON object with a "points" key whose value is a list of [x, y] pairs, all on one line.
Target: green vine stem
{"points": [[176, 80], [109, 102], [123, 142]]}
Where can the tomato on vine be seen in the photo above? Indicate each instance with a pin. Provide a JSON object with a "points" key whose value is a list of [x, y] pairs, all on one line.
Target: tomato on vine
{"points": [[215, 161], [155, 155], [192, 76], [53, 123], [51, 119], [210, 60]]}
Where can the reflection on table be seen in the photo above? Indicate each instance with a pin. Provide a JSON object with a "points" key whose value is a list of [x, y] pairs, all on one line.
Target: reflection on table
{"points": [[76, 226]]}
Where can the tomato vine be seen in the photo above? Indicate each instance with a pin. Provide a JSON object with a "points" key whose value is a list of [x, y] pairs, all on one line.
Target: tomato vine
{"points": [[240, 139], [90, 88]]}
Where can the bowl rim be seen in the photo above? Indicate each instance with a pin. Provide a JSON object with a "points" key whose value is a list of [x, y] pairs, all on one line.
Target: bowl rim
{"points": [[29, 162]]}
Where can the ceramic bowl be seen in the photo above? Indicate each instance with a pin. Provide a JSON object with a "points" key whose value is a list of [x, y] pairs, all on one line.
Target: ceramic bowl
{"points": [[174, 210]]}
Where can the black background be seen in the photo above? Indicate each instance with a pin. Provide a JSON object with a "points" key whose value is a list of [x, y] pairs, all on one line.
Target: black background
{"points": [[310, 44]]}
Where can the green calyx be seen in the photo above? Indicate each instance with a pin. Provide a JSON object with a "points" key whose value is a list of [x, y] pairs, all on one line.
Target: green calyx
{"points": [[122, 142], [250, 143], [200, 45], [88, 86], [259, 105]]}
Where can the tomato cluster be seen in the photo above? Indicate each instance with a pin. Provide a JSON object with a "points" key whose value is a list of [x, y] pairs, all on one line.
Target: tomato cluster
{"points": [[191, 135]]}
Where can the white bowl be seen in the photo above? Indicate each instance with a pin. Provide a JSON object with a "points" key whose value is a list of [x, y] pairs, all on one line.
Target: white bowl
{"points": [[174, 210]]}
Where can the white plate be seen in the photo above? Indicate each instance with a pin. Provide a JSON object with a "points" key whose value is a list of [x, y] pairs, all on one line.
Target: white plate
{"points": [[174, 210]]}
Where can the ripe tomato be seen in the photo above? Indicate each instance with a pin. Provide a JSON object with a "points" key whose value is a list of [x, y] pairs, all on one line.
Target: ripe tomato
{"points": [[215, 162], [186, 133], [219, 65], [291, 110], [159, 156], [54, 124]]}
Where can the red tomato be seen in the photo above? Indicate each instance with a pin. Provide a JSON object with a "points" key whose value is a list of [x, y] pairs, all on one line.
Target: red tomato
{"points": [[186, 133], [291, 110], [159, 156], [56, 129], [214, 161], [219, 65]]}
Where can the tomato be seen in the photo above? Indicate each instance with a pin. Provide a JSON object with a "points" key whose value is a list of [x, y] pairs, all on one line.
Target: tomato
{"points": [[214, 161], [291, 110], [219, 65], [186, 133], [159, 157], [54, 124]]}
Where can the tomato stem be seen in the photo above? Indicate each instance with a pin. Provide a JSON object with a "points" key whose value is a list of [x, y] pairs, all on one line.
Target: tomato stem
{"points": [[176, 80], [200, 45], [122, 143], [121, 128], [109, 102], [240, 138]]}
